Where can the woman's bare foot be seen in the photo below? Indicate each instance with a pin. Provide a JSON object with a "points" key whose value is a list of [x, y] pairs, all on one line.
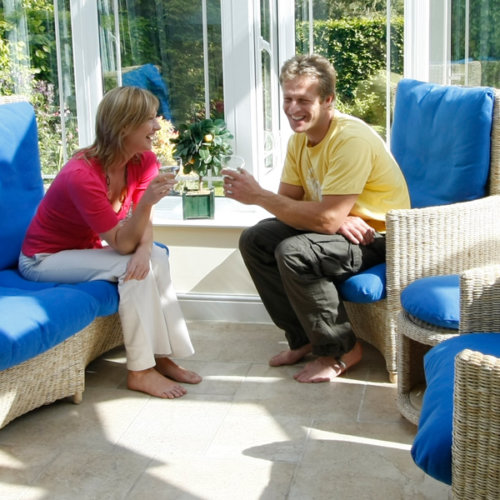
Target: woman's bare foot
{"points": [[327, 368], [291, 356], [154, 383], [172, 370]]}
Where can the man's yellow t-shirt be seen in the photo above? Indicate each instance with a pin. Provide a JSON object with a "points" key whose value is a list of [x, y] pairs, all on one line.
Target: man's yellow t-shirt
{"points": [[351, 159]]}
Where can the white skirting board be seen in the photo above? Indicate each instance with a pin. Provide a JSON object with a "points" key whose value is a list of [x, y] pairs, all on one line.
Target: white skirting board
{"points": [[230, 308]]}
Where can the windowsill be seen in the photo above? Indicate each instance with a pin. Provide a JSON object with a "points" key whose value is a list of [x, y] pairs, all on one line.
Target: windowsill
{"points": [[228, 213]]}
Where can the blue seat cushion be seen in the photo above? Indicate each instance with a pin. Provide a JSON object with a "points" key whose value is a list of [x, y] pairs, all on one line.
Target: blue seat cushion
{"points": [[36, 316], [35, 321], [431, 449], [104, 292], [366, 286], [441, 139], [434, 299]]}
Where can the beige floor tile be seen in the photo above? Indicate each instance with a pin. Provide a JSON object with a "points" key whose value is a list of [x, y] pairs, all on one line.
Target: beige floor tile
{"points": [[218, 377], [247, 431], [242, 479], [250, 436], [97, 422], [372, 461], [90, 474], [183, 427], [277, 393]]}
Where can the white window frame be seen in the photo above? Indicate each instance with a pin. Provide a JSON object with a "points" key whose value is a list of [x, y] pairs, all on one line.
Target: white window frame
{"points": [[238, 76], [87, 66], [241, 72], [427, 40]]}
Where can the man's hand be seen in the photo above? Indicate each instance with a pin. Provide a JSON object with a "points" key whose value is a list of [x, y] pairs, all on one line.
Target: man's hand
{"points": [[241, 186], [357, 231]]}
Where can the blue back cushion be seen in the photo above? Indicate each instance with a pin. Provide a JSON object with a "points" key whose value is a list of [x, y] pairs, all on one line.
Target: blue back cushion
{"points": [[431, 448], [441, 140], [21, 186]]}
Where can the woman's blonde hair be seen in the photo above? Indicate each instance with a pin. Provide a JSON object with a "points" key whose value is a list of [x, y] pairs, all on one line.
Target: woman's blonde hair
{"points": [[314, 66], [120, 111]]}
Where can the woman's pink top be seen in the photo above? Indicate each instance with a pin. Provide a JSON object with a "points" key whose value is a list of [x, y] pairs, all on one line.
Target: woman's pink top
{"points": [[76, 209]]}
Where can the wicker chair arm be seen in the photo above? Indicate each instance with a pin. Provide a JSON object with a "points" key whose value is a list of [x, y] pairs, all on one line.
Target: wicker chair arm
{"points": [[440, 240], [494, 184], [480, 299], [476, 426]]}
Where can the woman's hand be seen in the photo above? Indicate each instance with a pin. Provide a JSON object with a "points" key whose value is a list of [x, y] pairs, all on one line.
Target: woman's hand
{"points": [[138, 265], [159, 187]]}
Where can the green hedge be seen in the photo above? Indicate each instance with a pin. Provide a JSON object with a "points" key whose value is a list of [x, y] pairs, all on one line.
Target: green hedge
{"points": [[356, 47]]}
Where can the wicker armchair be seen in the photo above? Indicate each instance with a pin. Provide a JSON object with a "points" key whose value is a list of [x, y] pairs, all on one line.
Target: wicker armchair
{"points": [[458, 438], [420, 242], [476, 418], [476, 426]]}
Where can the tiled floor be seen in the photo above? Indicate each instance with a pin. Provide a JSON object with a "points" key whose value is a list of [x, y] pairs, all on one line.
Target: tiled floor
{"points": [[247, 431]]}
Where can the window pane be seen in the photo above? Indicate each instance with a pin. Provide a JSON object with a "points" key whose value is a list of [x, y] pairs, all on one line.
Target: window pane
{"points": [[267, 111], [29, 66], [165, 40], [216, 86], [265, 20], [352, 34], [475, 39]]}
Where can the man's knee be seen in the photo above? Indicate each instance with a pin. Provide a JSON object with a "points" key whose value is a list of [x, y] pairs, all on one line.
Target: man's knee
{"points": [[293, 253], [247, 239]]}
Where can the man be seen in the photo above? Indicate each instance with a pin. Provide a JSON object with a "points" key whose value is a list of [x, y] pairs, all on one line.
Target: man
{"points": [[338, 182]]}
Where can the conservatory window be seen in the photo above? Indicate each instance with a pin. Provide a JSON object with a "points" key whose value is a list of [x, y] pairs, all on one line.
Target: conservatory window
{"points": [[222, 58], [453, 41]]}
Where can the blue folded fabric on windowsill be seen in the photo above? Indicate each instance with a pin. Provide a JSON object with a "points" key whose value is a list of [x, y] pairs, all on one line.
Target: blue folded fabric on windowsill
{"points": [[148, 77]]}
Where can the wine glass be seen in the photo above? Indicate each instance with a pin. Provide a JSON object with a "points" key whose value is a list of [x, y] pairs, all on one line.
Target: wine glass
{"points": [[174, 166], [233, 162]]}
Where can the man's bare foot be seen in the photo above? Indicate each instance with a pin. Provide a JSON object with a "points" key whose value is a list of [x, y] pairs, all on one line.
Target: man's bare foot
{"points": [[327, 368], [172, 370], [291, 356], [154, 383]]}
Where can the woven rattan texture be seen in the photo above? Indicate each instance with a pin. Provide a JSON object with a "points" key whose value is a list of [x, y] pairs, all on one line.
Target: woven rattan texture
{"points": [[476, 427], [58, 372], [430, 241]]}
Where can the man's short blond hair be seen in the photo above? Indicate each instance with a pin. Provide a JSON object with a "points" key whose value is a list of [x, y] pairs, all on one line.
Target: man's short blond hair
{"points": [[315, 66]]}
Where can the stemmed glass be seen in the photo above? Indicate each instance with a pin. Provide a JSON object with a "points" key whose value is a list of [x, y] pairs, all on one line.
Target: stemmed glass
{"points": [[233, 162], [174, 166]]}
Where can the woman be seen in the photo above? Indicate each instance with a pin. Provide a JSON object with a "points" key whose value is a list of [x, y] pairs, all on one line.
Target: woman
{"points": [[106, 193]]}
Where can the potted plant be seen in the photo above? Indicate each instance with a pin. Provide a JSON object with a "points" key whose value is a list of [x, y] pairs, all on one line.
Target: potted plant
{"points": [[202, 146]]}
